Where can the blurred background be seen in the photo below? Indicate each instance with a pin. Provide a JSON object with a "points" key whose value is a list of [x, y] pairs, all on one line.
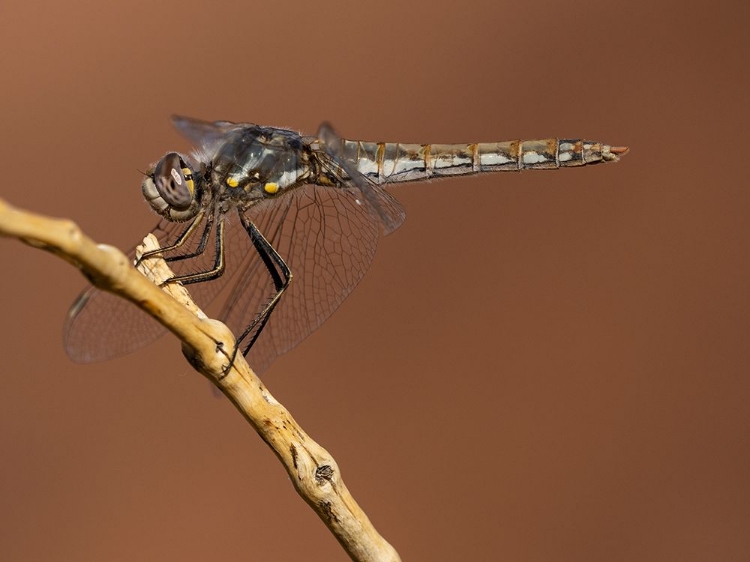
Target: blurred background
{"points": [[538, 366]]}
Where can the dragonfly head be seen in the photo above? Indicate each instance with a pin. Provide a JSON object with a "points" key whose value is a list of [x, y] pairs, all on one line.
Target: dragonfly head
{"points": [[170, 187]]}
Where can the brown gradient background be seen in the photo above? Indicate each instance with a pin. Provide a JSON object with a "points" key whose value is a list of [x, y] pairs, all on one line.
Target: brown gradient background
{"points": [[538, 367]]}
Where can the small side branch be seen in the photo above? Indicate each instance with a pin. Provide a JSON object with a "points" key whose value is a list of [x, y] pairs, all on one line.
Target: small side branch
{"points": [[313, 471]]}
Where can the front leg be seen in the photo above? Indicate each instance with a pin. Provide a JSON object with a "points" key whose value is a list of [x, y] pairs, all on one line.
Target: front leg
{"points": [[219, 264]]}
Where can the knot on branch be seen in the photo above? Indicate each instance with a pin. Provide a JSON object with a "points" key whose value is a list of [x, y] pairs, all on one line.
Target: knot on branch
{"points": [[324, 473]]}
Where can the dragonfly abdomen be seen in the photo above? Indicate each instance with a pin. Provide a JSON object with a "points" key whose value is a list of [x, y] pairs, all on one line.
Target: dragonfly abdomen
{"points": [[387, 162]]}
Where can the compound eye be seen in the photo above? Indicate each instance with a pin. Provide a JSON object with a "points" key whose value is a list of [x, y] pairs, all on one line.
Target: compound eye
{"points": [[173, 179]]}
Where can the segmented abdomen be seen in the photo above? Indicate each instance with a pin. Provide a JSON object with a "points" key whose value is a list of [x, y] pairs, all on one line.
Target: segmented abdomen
{"points": [[388, 162]]}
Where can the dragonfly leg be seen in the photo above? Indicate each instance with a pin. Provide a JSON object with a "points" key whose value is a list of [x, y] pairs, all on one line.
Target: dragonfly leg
{"points": [[215, 272], [201, 243], [181, 239], [281, 276]]}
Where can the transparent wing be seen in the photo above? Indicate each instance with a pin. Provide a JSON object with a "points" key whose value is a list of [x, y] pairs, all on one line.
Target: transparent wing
{"points": [[328, 240], [203, 134], [102, 326]]}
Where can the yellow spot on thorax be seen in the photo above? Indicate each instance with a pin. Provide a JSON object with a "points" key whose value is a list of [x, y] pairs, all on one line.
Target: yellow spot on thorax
{"points": [[271, 187], [232, 182]]}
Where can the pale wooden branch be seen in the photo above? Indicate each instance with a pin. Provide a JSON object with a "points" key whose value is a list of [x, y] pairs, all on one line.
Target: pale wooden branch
{"points": [[313, 471]]}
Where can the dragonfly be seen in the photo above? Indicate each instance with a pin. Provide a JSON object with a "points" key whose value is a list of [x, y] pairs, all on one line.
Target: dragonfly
{"points": [[282, 226]]}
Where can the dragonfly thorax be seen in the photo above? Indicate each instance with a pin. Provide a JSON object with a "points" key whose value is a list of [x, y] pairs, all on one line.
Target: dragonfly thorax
{"points": [[258, 162]]}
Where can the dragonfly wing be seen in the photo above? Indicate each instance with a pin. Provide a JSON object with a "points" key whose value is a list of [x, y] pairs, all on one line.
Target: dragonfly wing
{"points": [[203, 134], [102, 326], [328, 240]]}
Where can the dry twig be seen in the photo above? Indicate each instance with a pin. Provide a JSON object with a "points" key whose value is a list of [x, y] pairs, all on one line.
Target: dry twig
{"points": [[313, 471]]}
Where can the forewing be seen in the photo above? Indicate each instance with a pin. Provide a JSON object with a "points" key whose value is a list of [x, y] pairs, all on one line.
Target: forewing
{"points": [[206, 135]]}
